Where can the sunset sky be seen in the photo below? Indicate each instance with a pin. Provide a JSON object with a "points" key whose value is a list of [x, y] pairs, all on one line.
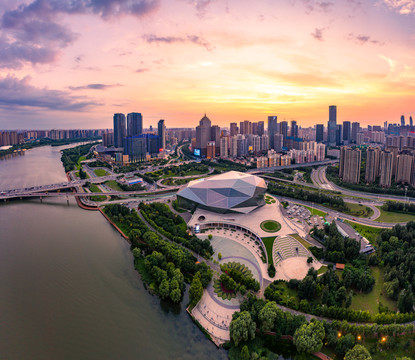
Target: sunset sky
{"points": [[74, 63]]}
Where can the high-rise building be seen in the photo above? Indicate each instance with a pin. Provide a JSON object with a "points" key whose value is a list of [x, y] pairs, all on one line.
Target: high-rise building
{"points": [[278, 142], [135, 147], [386, 162], [256, 144], [284, 131], [108, 139], [224, 146], [134, 124], [294, 129], [210, 150], [161, 131], [332, 125], [372, 164], [355, 131], [404, 170], [119, 130], [272, 129], [234, 129], [339, 135], [410, 121], [261, 128], [402, 120], [203, 134], [233, 146], [242, 145], [350, 161], [347, 131], [320, 152], [264, 142], [215, 136], [245, 127], [319, 132]]}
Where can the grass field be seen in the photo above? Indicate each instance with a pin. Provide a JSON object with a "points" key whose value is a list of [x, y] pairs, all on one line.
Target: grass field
{"points": [[301, 240], [78, 165], [95, 189], [316, 211], [369, 232], [370, 301], [268, 242], [394, 217], [270, 226], [100, 172], [113, 185], [359, 210]]}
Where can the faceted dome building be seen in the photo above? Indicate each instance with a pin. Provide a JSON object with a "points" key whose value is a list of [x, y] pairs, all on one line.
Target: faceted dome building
{"points": [[231, 192]]}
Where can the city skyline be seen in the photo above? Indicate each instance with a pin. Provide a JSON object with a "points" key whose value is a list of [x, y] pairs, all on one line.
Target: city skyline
{"points": [[174, 60]]}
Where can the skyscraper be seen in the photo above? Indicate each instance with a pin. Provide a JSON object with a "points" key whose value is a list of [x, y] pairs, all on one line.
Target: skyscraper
{"points": [[339, 135], [372, 164], [161, 127], [346, 131], [224, 145], [203, 134], [119, 130], [319, 132], [261, 128], [386, 162], [272, 129], [294, 129], [410, 121], [245, 127], [402, 120], [234, 129], [278, 142], [134, 124], [135, 148], [284, 130], [355, 131], [350, 161], [404, 170], [332, 124]]}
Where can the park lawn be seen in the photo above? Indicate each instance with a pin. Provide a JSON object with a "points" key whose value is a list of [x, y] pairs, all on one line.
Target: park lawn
{"points": [[359, 210], [322, 270], [78, 165], [297, 237], [394, 217], [316, 212], [268, 242], [100, 172], [96, 189], [403, 348], [370, 301], [369, 232], [270, 226], [113, 185]]}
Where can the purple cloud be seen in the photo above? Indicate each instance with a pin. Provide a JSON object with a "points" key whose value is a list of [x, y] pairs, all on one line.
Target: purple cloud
{"points": [[363, 39], [152, 38], [318, 34], [94, 87], [18, 93], [34, 34]]}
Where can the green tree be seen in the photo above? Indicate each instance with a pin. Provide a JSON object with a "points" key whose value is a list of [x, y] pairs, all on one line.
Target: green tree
{"points": [[309, 337], [359, 352], [242, 328], [136, 252], [345, 343], [195, 290], [245, 353], [175, 295], [164, 289], [268, 315], [406, 300], [341, 295]]}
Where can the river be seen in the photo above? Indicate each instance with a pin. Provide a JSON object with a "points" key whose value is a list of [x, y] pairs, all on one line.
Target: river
{"points": [[68, 288]]}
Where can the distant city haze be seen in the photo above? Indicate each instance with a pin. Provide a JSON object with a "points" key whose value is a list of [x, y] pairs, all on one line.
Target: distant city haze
{"points": [[237, 60]]}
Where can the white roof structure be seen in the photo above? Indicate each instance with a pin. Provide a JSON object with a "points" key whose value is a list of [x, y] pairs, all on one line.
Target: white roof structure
{"points": [[228, 192]]}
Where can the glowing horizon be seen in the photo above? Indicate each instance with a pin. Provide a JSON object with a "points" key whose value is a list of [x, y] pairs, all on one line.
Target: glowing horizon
{"points": [[67, 64]]}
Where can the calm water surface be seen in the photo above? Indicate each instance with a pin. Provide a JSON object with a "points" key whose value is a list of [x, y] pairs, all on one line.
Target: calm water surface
{"points": [[68, 289]]}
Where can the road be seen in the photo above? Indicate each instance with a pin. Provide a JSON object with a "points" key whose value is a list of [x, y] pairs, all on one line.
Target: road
{"points": [[319, 179], [337, 214]]}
